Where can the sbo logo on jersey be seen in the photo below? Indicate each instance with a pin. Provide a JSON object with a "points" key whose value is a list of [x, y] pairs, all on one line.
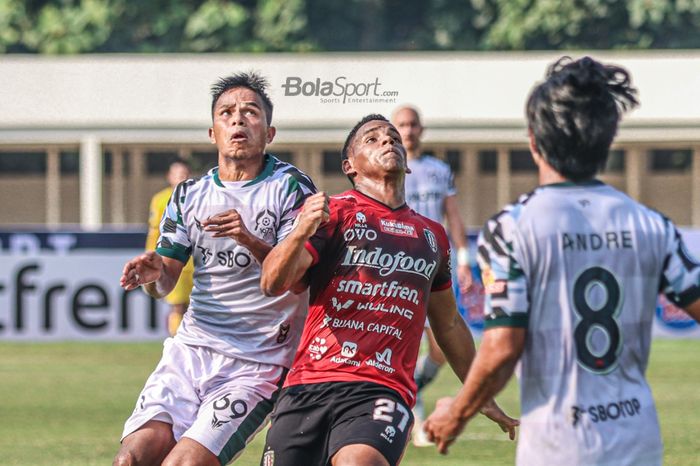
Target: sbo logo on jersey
{"points": [[388, 263]]}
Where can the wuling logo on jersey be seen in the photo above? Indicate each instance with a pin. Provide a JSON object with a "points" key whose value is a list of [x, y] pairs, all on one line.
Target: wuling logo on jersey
{"points": [[396, 228], [388, 263]]}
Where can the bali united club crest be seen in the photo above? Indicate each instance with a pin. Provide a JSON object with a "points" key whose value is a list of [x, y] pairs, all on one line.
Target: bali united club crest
{"points": [[432, 241]]}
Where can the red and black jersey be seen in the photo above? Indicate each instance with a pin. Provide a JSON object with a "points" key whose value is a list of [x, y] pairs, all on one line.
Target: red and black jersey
{"points": [[373, 270]]}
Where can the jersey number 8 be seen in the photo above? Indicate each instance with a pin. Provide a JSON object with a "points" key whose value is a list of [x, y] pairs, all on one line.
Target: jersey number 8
{"points": [[600, 361]]}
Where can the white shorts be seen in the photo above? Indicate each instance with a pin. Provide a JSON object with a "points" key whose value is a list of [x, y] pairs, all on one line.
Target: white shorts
{"points": [[218, 401]]}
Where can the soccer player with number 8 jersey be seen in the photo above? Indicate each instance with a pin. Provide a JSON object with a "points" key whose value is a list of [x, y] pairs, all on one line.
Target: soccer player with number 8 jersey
{"points": [[572, 272]]}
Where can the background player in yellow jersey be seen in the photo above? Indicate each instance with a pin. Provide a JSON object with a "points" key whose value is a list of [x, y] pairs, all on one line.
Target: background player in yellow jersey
{"points": [[179, 298]]}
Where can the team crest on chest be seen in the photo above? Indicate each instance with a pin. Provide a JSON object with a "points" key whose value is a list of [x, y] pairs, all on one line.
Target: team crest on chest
{"points": [[432, 241], [265, 224]]}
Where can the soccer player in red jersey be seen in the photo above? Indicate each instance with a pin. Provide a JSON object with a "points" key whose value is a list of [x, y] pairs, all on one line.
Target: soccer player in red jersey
{"points": [[376, 269]]}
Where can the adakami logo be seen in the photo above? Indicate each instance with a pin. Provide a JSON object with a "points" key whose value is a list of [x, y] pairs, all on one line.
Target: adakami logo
{"points": [[388, 263]]}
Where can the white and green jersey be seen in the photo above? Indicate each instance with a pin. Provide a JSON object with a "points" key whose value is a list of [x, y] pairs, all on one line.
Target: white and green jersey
{"points": [[427, 186], [580, 266], [227, 310]]}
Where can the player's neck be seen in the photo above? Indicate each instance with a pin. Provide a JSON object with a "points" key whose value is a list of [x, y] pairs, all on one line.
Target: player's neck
{"points": [[240, 169], [388, 191], [549, 175]]}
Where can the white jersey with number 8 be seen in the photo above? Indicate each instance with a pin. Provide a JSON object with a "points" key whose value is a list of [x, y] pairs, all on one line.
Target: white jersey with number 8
{"points": [[581, 266]]}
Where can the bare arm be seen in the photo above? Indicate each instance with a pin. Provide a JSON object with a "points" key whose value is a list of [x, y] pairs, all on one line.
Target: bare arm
{"points": [[451, 333], [456, 341], [158, 274], [229, 224], [459, 239], [693, 309], [285, 266], [493, 366]]}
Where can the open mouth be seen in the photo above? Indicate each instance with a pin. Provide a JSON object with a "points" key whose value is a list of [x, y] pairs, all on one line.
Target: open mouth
{"points": [[239, 136]]}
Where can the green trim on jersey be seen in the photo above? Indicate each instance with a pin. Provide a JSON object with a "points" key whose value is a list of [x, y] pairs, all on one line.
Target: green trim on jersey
{"points": [[574, 184], [268, 168], [216, 178], [177, 252], [514, 320]]}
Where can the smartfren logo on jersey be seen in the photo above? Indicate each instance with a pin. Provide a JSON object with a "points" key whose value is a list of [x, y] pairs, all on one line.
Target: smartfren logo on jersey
{"points": [[382, 361], [388, 263]]}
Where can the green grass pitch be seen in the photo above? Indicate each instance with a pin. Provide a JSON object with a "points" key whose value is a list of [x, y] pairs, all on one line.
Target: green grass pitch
{"points": [[65, 404]]}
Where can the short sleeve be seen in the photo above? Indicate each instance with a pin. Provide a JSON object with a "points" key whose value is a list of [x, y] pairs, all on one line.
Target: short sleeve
{"points": [[174, 241], [680, 278], [506, 302], [300, 187], [443, 278]]}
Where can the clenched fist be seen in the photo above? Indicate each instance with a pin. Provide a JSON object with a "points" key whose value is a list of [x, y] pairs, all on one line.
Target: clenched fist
{"points": [[314, 212]]}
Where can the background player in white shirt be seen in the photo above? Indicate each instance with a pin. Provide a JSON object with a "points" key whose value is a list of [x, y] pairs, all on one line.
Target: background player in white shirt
{"points": [[573, 274], [430, 191], [220, 374]]}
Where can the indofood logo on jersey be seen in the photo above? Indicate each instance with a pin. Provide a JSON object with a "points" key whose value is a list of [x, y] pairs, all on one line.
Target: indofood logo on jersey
{"points": [[388, 263], [671, 316]]}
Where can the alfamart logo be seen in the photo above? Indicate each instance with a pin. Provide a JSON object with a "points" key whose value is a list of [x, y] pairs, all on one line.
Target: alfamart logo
{"points": [[340, 90]]}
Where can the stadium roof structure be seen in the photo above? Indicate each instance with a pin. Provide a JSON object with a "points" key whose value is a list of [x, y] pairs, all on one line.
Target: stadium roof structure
{"points": [[464, 97]]}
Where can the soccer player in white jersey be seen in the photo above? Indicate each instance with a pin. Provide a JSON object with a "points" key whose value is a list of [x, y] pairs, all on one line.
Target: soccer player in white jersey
{"points": [[430, 191], [575, 268], [220, 374]]}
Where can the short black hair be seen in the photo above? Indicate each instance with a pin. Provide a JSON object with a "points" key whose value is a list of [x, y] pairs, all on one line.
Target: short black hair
{"points": [[353, 131], [250, 80], [575, 113]]}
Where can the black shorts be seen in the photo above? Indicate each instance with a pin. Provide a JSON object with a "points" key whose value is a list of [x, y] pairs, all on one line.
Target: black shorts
{"points": [[310, 423]]}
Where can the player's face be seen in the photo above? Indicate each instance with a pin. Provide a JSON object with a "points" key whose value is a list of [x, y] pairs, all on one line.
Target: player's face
{"points": [[376, 151], [177, 173], [407, 123], [239, 127]]}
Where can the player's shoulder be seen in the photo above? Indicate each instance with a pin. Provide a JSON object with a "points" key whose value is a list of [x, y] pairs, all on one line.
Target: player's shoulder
{"points": [[288, 173]]}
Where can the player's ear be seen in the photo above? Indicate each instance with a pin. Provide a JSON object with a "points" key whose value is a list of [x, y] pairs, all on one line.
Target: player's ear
{"points": [[271, 131], [212, 138], [347, 167]]}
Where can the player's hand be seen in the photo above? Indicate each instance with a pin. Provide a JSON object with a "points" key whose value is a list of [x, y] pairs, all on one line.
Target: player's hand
{"points": [[313, 213], [140, 270], [228, 224], [464, 278], [507, 424], [443, 426]]}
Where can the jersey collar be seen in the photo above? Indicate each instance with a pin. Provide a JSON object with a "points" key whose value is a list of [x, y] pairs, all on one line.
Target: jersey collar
{"points": [[268, 166], [574, 184], [379, 203]]}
